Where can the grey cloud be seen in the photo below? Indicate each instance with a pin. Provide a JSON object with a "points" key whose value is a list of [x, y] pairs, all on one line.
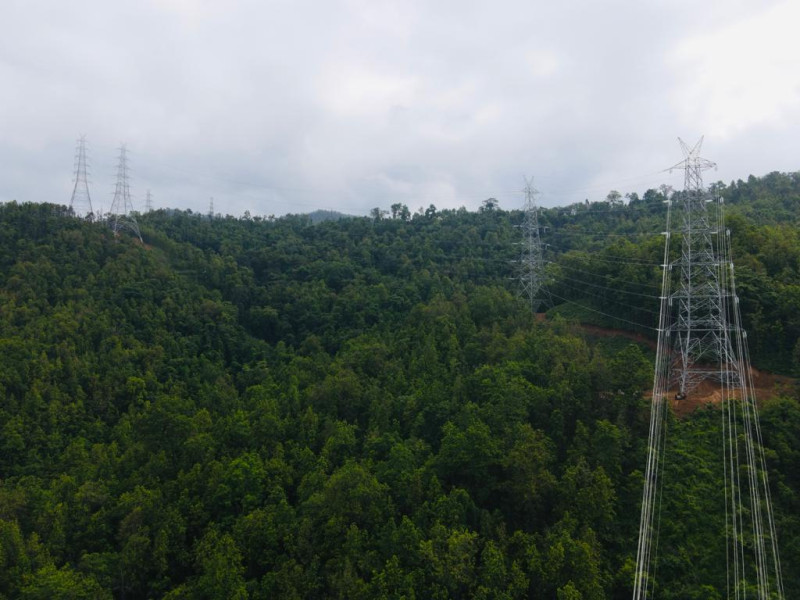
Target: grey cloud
{"points": [[279, 106]]}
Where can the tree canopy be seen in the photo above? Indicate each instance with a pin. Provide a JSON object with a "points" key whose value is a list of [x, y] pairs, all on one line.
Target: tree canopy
{"points": [[363, 407]]}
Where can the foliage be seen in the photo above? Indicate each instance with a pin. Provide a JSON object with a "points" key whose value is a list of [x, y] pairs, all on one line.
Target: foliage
{"points": [[359, 408]]}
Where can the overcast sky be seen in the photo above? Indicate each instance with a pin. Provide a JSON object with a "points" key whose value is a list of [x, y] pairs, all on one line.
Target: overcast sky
{"points": [[293, 105]]}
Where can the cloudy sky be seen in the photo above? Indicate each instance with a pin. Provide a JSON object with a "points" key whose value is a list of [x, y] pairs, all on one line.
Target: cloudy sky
{"points": [[278, 106]]}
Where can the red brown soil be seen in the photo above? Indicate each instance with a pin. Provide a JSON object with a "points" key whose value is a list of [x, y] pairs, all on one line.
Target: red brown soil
{"points": [[767, 385]]}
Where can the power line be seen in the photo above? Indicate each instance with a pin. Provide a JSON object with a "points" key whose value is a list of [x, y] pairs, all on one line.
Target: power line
{"points": [[609, 185], [704, 340], [601, 312], [567, 211], [606, 275], [605, 299], [614, 290], [325, 191], [578, 254], [602, 234], [568, 256]]}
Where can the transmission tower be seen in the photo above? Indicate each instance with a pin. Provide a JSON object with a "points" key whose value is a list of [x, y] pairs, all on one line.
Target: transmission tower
{"points": [[81, 201], [121, 213], [700, 332], [148, 202], [700, 337], [211, 207], [531, 262]]}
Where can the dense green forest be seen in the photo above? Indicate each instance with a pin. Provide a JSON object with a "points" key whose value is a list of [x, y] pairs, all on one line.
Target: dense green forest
{"points": [[363, 407]]}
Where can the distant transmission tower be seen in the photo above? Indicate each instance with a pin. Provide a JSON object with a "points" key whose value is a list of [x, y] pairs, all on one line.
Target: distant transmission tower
{"points": [[121, 213], [148, 202], [81, 201], [700, 337], [531, 262], [211, 207]]}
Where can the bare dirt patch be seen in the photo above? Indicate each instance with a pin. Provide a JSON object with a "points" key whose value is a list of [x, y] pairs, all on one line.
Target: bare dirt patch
{"points": [[767, 385]]}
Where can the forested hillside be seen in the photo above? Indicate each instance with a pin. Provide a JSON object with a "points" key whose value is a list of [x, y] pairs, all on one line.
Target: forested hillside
{"points": [[607, 256], [363, 408]]}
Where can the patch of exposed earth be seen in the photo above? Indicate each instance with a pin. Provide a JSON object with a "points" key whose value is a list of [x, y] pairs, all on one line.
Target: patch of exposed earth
{"points": [[767, 385]]}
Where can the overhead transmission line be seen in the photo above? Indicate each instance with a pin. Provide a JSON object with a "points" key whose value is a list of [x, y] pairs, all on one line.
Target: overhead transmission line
{"points": [[604, 275], [704, 340], [624, 210], [606, 299], [574, 233], [612, 261], [613, 290], [599, 312]]}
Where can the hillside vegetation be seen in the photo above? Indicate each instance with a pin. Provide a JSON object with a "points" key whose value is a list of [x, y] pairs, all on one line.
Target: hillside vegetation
{"points": [[363, 408]]}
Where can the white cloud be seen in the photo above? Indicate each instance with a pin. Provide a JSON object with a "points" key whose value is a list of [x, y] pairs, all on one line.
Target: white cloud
{"points": [[543, 63], [351, 90], [744, 75]]}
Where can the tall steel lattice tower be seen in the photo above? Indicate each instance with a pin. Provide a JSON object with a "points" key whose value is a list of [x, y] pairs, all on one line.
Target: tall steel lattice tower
{"points": [[700, 337], [81, 201], [121, 214], [148, 202], [699, 333], [531, 262]]}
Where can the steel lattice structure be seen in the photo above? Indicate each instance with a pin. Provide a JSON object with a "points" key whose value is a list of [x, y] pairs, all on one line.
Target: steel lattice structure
{"points": [[531, 262], [700, 333], [121, 214], [700, 337], [81, 201]]}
